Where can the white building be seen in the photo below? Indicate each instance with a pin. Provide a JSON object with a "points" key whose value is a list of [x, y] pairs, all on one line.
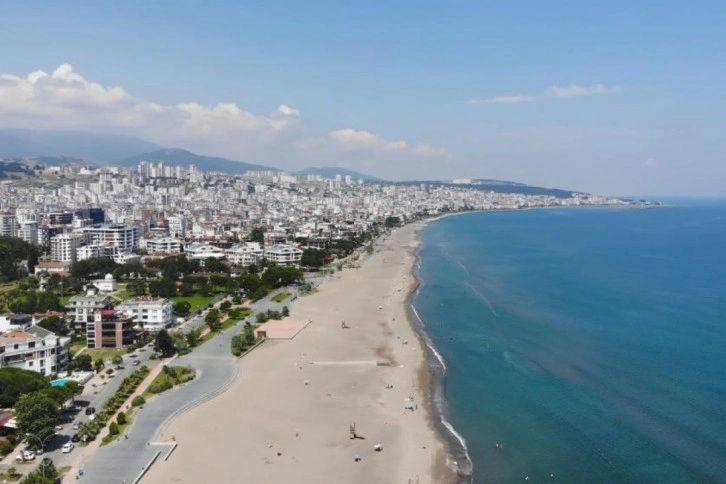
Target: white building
{"points": [[283, 255], [163, 245], [177, 227], [125, 238], [35, 349], [92, 251], [107, 284], [83, 307], [28, 231], [15, 322], [246, 254], [152, 313], [63, 247], [198, 250]]}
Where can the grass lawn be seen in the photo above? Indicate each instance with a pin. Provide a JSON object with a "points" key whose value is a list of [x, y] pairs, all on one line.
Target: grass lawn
{"points": [[108, 438], [63, 301], [77, 346], [197, 302], [281, 297], [105, 353], [226, 324], [168, 379]]}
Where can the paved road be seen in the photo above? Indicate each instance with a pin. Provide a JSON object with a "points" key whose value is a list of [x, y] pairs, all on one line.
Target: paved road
{"points": [[216, 367]]}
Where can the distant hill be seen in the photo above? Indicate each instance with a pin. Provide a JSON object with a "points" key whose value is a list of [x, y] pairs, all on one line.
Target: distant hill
{"points": [[330, 172], [77, 144], [13, 170], [499, 186], [179, 157]]}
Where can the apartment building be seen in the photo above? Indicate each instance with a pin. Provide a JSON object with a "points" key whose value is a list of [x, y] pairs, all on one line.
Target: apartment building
{"points": [[124, 238], [82, 307], [64, 247], [7, 224], [15, 322], [283, 255], [245, 254], [150, 313], [28, 231], [35, 349], [108, 328], [163, 245]]}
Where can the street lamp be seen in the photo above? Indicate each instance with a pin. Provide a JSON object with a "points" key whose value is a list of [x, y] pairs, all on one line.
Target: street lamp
{"points": [[42, 445]]}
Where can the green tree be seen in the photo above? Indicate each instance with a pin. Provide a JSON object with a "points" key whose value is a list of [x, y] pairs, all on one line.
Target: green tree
{"points": [[257, 235], [182, 309], [15, 382], [46, 473], [213, 320], [98, 365], [163, 288], [74, 388], [121, 418], [179, 340], [55, 325], [82, 362], [285, 312], [225, 306], [193, 338], [37, 415], [113, 428], [313, 258], [164, 344], [117, 360]]}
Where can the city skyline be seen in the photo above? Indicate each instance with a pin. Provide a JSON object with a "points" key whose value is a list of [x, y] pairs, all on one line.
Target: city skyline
{"points": [[618, 101]]}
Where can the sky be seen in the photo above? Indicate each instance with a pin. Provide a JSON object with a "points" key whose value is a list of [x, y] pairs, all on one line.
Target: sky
{"points": [[620, 98]]}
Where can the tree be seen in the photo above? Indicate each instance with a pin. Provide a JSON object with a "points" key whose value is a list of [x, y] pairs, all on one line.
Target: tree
{"points": [[163, 287], [313, 258], [213, 320], [54, 324], [15, 382], [182, 309], [36, 415], [258, 235], [193, 338], [225, 306], [285, 312], [82, 362], [98, 365], [121, 418], [74, 388], [179, 340], [46, 473], [113, 428], [164, 344], [117, 360], [392, 222], [249, 336], [136, 288]]}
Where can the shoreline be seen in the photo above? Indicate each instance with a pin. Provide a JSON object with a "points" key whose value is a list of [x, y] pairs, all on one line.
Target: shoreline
{"points": [[434, 378]]}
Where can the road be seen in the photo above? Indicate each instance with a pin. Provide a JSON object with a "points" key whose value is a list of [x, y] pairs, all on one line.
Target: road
{"points": [[216, 369]]}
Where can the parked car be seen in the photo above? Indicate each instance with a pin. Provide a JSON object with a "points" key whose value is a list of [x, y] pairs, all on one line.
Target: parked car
{"points": [[58, 428], [136, 363], [67, 447], [25, 455], [76, 438], [90, 410], [77, 426]]}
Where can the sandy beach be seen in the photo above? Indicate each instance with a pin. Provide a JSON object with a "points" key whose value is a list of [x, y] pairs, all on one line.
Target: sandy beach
{"points": [[286, 417]]}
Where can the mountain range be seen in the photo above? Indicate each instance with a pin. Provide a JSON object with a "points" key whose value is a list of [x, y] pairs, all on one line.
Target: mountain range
{"points": [[58, 146]]}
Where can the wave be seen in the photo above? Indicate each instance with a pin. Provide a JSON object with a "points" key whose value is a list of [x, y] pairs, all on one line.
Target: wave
{"points": [[427, 340]]}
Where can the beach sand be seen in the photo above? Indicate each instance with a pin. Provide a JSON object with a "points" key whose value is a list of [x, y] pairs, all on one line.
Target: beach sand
{"points": [[286, 417]]}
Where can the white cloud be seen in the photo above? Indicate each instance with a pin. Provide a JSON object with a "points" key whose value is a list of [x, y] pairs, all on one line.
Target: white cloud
{"points": [[650, 162], [349, 139], [65, 99], [286, 110], [572, 90]]}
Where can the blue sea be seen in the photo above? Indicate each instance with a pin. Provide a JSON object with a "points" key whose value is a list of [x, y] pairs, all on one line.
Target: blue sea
{"points": [[589, 343]]}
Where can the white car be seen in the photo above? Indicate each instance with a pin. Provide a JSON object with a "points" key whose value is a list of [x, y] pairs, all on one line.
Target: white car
{"points": [[25, 455], [76, 426], [67, 447]]}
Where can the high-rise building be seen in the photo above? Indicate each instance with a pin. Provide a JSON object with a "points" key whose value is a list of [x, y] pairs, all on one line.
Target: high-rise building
{"points": [[125, 238], [63, 246], [28, 231], [7, 224], [60, 218]]}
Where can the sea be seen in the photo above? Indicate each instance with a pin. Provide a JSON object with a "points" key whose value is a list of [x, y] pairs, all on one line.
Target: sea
{"points": [[582, 345]]}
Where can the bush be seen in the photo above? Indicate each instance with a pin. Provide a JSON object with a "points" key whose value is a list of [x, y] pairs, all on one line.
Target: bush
{"points": [[121, 418], [113, 429], [160, 385], [138, 401]]}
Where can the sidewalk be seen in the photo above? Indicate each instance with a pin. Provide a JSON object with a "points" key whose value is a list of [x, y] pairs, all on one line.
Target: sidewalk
{"points": [[90, 449]]}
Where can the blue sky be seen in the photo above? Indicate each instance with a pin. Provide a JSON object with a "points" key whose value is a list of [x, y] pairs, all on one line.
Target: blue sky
{"points": [[620, 98]]}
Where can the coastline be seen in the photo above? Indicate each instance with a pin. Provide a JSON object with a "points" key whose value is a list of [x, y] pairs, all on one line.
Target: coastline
{"points": [[433, 379], [287, 414]]}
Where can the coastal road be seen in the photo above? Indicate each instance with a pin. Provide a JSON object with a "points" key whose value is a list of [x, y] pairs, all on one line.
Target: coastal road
{"points": [[216, 369]]}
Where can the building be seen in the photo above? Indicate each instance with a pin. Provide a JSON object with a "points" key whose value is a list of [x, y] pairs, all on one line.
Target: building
{"points": [[177, 227], [15, 322], [198, 250], [82, 308], [95, 214], [35, 349], [60, 218], [94, 251], [246, 254], [108, 328], [107, 284], [62, 268], [124, 238], [28, 231], [163, 245], [7, 224], [283, 255], [63, 247], [150, 313]]}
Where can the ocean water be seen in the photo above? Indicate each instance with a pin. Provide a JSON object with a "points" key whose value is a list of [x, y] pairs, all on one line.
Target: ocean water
{"points": [[589, 343]]}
